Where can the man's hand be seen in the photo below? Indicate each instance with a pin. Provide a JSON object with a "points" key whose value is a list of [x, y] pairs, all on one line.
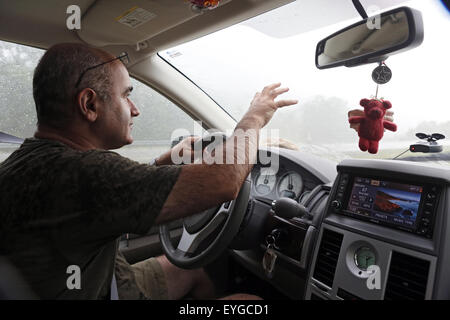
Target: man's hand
{"points": [[205, 185], [185, 145], [360, 113], [263, 106]]}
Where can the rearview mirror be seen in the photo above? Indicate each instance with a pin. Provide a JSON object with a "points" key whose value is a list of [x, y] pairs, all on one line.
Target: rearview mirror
{"points": [[372, 39]]}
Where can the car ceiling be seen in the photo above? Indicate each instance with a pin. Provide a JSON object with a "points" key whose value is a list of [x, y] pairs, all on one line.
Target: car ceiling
{"points": [[43, 23]]}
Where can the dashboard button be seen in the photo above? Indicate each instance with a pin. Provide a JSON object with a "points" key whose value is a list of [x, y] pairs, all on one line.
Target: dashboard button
{"points": [[428, 205], [423, 230], [431, 197], [344, 179], [336, 204], [427, 213], [425, 220]]}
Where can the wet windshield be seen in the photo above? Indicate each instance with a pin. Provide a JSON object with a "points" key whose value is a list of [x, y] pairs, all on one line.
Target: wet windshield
{"points": [[234, 63]]}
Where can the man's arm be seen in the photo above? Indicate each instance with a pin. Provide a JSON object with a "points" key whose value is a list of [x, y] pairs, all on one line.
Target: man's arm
{"points": [[202, 186]]}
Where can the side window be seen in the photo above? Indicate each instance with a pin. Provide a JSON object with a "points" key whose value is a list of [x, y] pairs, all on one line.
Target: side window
{"points": [[159, 121], [152, 130], [17, 110]]}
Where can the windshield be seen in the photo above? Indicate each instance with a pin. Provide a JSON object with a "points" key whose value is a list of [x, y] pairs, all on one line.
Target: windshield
{"points": [[234, 63]]}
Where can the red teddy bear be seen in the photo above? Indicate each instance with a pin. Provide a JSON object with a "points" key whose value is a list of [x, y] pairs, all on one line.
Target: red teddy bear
{"points": [[372, 125]]}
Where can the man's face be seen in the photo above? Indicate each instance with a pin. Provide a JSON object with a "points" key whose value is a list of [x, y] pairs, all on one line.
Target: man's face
{"points": [[119, 111]]}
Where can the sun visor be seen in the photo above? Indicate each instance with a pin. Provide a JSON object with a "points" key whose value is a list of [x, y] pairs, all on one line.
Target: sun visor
{"points": [[118, 22]]}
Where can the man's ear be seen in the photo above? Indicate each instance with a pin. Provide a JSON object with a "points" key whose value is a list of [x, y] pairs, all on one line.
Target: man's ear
{"points": [[364, 102], [87, 101]]}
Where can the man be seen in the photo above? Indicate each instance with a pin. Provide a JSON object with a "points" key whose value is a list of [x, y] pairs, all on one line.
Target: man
{"points": [[66, 200]]}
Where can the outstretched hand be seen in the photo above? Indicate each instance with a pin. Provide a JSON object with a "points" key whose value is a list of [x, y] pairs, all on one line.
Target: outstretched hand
{"points": [[263, 106]]}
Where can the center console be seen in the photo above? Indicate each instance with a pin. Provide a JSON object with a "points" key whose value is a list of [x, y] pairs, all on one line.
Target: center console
{"points": [[382, 233]]}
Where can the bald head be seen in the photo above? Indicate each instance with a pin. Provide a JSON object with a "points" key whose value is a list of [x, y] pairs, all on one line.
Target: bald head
{"points": [[55, 81]]}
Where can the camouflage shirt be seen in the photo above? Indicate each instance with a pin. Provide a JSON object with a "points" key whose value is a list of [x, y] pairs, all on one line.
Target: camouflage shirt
{"points": [[61, 207]]}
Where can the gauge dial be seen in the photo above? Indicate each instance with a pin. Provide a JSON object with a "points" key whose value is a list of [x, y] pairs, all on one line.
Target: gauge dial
{"points": [[265, 182], [291, 185], [364, 258]]}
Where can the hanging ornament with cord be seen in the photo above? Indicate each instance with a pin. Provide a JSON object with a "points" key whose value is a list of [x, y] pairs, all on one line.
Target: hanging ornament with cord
{"points": [[381, 75], [202, 5], [373, 124]]}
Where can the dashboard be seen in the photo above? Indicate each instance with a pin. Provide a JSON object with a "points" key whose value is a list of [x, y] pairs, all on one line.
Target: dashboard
{"points": [[291, 180], [359, 230]]}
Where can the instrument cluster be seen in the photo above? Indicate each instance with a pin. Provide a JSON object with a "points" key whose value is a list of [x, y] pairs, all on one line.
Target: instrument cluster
{"points": [[274, 185]]}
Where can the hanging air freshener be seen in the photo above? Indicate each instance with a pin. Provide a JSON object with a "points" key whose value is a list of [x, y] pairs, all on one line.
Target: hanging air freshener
{"points": [[201, 5], [373, 124]]}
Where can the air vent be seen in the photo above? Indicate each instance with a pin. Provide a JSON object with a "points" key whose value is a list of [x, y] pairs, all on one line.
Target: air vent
{"points": [[327, 257], [407, 279]]}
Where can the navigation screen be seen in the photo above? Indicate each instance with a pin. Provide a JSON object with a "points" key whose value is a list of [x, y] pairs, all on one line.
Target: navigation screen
{"points": [[393, 203]]}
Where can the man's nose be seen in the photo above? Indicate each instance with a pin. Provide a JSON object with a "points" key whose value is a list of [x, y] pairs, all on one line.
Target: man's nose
{"points": [[134, 110]]}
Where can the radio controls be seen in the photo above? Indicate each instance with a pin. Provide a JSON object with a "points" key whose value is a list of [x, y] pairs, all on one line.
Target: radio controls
{"points": [[395, 204], [423, 230], [426, 220], [428, 205], [344, 180], [431, 196], [336, 204]]}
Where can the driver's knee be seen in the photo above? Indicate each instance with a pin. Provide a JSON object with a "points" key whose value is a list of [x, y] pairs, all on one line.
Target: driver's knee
{"points": [[158, 278], [182, 282]]}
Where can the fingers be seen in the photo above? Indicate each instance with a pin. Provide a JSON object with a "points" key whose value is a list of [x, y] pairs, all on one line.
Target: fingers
{"points": [[273, 91], [191, 139], [276, 92], [271, 87], [194, 138], [285, 103]]}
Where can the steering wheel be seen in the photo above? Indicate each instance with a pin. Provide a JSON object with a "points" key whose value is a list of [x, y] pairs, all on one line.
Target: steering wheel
{"points": [[206, 234]]}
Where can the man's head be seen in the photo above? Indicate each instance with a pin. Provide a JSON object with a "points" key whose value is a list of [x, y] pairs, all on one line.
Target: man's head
{"points": [[93, 102]]}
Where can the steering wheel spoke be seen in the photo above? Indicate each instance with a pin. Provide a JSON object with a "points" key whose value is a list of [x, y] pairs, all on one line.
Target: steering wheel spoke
{"points": [[190, 242]]}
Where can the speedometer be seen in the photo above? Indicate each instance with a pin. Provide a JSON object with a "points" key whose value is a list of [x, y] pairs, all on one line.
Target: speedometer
{"points": [[290, 186], [265, 182]]}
